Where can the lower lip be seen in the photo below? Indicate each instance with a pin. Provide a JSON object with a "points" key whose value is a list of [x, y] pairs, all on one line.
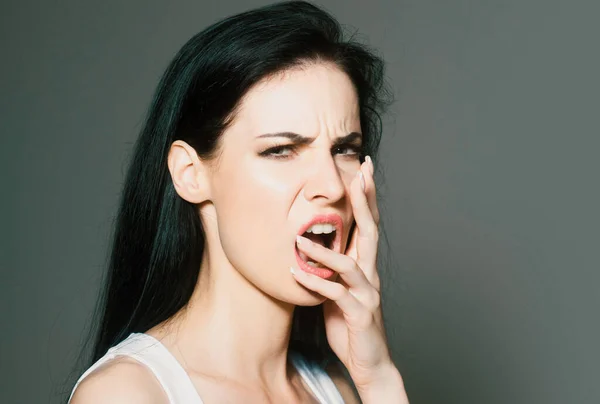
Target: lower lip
{"points": [[324, 273]]}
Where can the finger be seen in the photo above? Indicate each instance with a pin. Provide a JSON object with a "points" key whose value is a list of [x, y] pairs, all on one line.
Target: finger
{"points": [[351, 243], [353, 309], [352, 275], [360, 204], [371, 190], [371, 193], [367, 231], [342, 264]]}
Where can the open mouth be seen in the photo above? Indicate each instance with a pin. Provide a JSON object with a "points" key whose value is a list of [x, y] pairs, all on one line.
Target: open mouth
{"points": [[307, 263], [326, 240]]}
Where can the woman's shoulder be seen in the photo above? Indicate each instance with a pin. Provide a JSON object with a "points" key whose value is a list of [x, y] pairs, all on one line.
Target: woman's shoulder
{"points": [[120, 380]]}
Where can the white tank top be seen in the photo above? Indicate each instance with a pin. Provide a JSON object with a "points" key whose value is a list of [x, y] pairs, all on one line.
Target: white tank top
{"points": [[178, 386]]}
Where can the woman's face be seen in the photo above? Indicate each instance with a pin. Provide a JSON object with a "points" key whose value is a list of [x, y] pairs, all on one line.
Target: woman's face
{"points": [[266, 188]]}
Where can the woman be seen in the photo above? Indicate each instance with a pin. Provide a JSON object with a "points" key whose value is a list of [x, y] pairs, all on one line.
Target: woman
{"points": [[256, 137]]}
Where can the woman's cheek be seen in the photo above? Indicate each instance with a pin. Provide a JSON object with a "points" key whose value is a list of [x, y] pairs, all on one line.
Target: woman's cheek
{"points": [[254, 219]]}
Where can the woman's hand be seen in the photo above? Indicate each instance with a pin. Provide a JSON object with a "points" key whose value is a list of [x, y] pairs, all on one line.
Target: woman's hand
{"points": [[353, 319]]}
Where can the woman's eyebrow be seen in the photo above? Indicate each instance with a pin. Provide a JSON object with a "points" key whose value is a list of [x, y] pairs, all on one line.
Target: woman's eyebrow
{"points": [[302, 140]]}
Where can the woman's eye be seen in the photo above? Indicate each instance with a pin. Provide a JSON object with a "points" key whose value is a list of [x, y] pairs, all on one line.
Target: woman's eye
{"points": [[275, 151], [353, 150]]}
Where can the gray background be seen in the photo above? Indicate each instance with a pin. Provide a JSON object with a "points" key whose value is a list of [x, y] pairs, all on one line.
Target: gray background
{"points": [[489, 187]]}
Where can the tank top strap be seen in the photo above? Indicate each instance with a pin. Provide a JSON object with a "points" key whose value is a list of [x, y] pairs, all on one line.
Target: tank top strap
{"points": [[177, 384], [154, 355], [317, 379]]}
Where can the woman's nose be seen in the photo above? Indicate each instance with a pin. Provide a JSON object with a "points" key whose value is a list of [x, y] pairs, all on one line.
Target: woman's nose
{"points": [[324, 181]]}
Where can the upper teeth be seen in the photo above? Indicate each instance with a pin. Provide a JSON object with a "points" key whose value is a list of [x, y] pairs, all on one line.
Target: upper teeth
{"points": [[321, 228]]}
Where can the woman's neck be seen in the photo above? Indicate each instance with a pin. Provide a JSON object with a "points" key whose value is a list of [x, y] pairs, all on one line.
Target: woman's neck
{"points": [[230, 329]]}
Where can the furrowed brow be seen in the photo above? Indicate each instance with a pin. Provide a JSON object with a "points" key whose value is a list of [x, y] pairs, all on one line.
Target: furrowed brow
{"points": [[296, 138], [353, 137]]}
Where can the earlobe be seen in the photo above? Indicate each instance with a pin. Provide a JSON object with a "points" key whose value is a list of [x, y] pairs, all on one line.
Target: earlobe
{"points": [[188, 173]]}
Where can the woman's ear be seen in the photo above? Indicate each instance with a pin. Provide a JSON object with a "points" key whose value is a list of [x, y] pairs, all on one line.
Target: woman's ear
{"points": [[188, 173]]}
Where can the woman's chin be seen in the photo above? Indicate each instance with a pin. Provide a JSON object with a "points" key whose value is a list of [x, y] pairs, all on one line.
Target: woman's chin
{"points": [[302, 296]]}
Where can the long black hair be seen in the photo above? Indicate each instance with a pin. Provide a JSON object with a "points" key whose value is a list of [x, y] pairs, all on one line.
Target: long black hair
{"points": [[158, 238]]}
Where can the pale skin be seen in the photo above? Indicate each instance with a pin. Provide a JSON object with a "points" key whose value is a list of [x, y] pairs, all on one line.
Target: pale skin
{"points": [[232, 338]]}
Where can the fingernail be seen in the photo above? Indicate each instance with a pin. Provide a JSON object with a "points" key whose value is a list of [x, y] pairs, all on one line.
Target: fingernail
{"points": [[297, 272], [300, 240], [371, 167], [362, 180]]}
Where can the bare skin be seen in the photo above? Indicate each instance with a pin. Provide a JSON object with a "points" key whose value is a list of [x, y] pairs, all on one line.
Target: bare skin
{"points": [[232, 338]]}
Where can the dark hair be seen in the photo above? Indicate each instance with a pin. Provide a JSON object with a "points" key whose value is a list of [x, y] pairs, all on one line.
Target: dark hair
{"points": [[158, 240]]}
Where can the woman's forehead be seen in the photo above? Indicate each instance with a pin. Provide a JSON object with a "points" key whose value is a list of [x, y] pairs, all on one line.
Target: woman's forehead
{"points": [[305, 100]]}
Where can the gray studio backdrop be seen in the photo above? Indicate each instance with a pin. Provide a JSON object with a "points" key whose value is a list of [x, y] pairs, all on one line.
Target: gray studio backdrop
{"points": [[489, 183]]}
